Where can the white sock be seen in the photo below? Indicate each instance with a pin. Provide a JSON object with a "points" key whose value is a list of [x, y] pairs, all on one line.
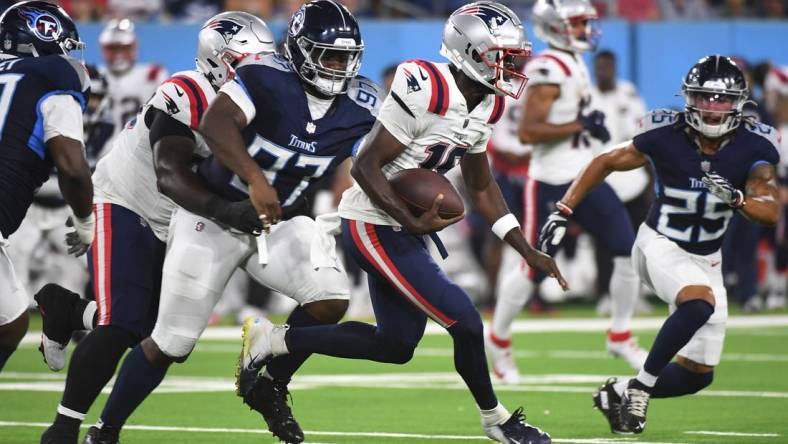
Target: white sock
{"points": [[624, 287], [278, 345], [88, 314], [494, 416], [65, 411], [646, 378], [513, 292]]}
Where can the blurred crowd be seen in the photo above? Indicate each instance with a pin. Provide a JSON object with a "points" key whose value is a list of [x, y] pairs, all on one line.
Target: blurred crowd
{"points": [[199, 10]]}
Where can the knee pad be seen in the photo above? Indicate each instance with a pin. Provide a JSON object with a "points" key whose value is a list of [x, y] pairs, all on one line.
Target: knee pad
{"points": [[394, 351], [177, 341]]}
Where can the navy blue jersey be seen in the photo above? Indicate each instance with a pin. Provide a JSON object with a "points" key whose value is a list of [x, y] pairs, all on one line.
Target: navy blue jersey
{"points": [[294, 150], [24, 162], [684, 210]]}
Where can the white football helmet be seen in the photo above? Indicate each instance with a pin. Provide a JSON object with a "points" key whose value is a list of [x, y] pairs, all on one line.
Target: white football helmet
{"points": [[225, 39], [554, 21], [118, 42], [486, 41]]}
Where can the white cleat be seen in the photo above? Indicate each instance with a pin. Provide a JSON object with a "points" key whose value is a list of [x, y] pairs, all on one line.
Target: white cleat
{"points": [[503, 364], [54, 353], [256, 350], [629, 351]]}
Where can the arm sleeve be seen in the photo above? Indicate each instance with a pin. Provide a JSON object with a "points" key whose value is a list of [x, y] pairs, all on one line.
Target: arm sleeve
{"points": [[62, 116], [237, 92], [404, 108]]}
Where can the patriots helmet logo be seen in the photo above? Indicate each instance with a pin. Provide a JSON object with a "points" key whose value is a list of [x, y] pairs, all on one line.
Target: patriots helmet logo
{"points": [[411, 82], [172, 107], [44, 25], [226, 28], [492, 18]]}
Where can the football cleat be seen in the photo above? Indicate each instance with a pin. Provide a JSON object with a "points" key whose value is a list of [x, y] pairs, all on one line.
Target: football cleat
{"points": [[255, 354], [516, 431], [607, 401], [269, 398], [103, 435], [59, 435], [55, 304], [503, 364], [633, 409], [629, 351]]}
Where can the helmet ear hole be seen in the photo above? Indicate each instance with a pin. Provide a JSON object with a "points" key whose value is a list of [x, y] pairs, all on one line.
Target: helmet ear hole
{"points": [[212, 63], [475, 56]]}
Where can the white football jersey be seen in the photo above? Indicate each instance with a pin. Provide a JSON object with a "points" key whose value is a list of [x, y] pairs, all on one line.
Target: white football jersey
{"points": [[126, 177], [623, 109], [129, 91], [504, 137], [428, 114], [559, 162]]}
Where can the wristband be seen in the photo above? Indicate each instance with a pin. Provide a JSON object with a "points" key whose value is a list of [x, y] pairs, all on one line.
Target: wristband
{"points": [[504, 225], [563, 208], [739, 200], [85, 227]]}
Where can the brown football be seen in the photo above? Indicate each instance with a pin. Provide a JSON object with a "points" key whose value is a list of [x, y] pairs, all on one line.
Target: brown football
{"points": [[419, 187]]}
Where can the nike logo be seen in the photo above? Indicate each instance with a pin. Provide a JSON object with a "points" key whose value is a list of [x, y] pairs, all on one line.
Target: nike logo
{"points": [[641, 424], [423, 77], [179, 92]]}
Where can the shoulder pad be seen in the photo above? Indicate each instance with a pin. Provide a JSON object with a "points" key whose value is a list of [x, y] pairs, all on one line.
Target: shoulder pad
{"points": [[365, 93], [76, 76], [421, 83], [767, 132], [547, 68], [155, 73], [275, 61], [657, 119], [183, 97]]}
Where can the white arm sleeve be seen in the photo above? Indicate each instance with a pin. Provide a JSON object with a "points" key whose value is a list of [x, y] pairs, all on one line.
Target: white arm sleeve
{"points": [[62, 116], [240, 96]]}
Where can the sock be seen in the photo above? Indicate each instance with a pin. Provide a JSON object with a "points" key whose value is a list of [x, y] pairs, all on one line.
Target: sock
{"points": [[674, 334], [513, 293], [676, 380], [283, 367], [471, 363], [496, 415], [620, 386], [67, 421], [5, 353], [624, 289], [137, 378], [92, 365]]}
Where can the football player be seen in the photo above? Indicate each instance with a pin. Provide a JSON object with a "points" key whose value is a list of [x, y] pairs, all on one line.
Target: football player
{"points": [[436, 115], [138, 183], [43, 93], [130, 84], [279, 127], [709, 163], [558, 121]]}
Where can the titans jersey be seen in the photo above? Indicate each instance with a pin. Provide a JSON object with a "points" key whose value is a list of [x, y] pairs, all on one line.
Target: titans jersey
{"points": [[684, 211], [25, 83], [126, 176], [560, 161], [427, 113], [293, 150]]}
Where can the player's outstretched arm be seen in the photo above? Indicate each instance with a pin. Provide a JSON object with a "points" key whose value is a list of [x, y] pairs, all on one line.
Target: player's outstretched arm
{"points": [[486, 198], [221, 127], [533, 123], [761, 195], [379, 149]]}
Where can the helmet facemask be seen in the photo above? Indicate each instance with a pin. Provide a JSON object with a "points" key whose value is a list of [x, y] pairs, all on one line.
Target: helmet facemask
{"points": [[508, 64], [713, 113], [329, 67]]}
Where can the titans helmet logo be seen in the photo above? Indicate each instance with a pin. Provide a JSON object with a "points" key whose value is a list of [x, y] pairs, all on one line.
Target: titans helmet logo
{"points": [[491, 17], [44, 25], [297, 23], [226, 28]]}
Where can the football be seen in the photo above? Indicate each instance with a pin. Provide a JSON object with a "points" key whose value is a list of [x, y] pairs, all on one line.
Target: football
{"points": [[419, 187]]}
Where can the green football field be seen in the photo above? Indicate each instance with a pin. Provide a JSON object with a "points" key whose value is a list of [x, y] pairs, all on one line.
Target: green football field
{"points": [[344, 401]]}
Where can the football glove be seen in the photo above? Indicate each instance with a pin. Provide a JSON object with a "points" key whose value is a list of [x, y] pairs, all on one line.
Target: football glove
{"points": [[594, 123], [79, 240], [552, 233], [239, 215], [723, 189]]}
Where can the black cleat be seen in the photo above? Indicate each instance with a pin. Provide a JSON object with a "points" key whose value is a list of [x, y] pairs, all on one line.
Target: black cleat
{"points": [[59, 435], [516, 430], [269, 398], [103, 435], [634, 404], [56, 305], [607, 401]]}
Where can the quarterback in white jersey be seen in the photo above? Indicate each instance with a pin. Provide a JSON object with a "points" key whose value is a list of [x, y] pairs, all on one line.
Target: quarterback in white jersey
{"points": [[559, 122], [436, 115]]}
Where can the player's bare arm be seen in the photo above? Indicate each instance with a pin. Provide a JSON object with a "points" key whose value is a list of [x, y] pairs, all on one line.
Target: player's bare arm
{"points": [[533, 124], [221, 126], [761, 195], [342, 180], [173, 150], [73, 174], [486, 198], [624, 158], [367, 171]]}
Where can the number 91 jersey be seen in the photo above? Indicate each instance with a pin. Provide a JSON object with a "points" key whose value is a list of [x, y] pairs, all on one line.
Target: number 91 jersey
{"points": [[684, 210], [427, 113]]}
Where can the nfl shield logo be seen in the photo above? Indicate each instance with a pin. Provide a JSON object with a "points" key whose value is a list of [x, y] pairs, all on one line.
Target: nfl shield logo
{"points": [[705, 166]]}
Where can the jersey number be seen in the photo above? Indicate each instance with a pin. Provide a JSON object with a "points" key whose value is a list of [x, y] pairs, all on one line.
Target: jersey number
{"points": [[441, 158], [714, 210], [8, 83], [281, 157]]}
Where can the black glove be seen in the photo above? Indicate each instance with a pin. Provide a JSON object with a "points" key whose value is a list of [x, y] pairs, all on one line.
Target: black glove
{"points": [[239, 215], [553, 230], [594, 123]]}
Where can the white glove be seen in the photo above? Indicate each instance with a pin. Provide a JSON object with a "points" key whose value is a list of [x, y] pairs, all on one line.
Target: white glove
{"points": [[80, 239], [722, 188]]}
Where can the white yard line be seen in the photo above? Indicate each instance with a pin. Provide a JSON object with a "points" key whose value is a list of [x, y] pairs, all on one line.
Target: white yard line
{"points": [[755, 435], [340, 434]]}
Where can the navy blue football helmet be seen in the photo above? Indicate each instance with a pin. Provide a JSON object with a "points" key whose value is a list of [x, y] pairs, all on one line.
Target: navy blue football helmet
{"points": [[324, 46], [715, 91], [38, 28]]}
